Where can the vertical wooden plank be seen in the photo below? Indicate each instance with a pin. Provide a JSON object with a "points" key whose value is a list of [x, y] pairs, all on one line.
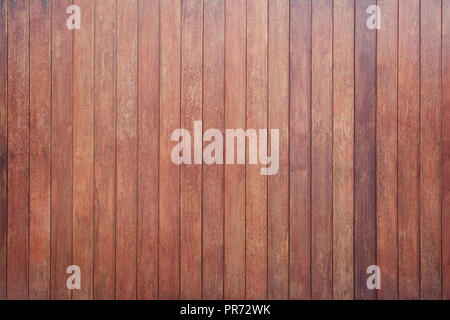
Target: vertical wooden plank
{"points": [[343, 149], [322, 150], [256, 184], [169, 173], [213, 175], [300, 150], [104, 149], [126, 154], [235, 93], [430, 155], [61, 215], [40, 130], [446, 149], [408, 149], [191, 174], [278, 184], [365, 153], [3, 144], [386, 131], [18, 149], [148, 146], [83, 148]]}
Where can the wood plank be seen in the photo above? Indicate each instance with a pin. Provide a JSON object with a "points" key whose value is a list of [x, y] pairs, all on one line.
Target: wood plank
{"points": [[191, 174], [61, 215], [322, 151], [278, 117], [18, 149], [40, 140], [300, 150], [169, 173], [343, 149], [213, 175], [148, 149], [408, 149], [365, 152], [3, 144], [256, 184], [235, 93], [430, 155], [445, 149], [386, 131], [126, 152], [83, 149], [104, 149]]}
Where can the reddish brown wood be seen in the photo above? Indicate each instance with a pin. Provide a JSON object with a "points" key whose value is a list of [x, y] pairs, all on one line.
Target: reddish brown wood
{"points": [[278, 184], [343, 149], [18, 150], [191, 174], [148, 149], [213, 175], [300, 150], [235, 93], [256, 184], [105, 149], [83, 149], [445, 149], [387, 255], [169, 173], [322, 151], [408, 150], [126, 152], [61, 203], [3, 144], [40, 135], [365, 152], [430, 150]]}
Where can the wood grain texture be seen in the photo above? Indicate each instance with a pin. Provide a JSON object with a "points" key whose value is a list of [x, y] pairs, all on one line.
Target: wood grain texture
{"points": [[365, 152], [322, 150], [408, 150], [83, 149], [430, 150], [3, 144], [256, 184], [235, 107], [169, 173], [278, 119], [86, 171], [105, 149], [300, 150], [445, 149], [40, 152], [126, 150], [148, 149], [386, 135], [213, 175], [343, 149], [61, 202], [191, 174], [18, 149]]}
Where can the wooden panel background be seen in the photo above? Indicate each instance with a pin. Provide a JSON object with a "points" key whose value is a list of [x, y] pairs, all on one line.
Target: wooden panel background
{"points": [[86, 177]]}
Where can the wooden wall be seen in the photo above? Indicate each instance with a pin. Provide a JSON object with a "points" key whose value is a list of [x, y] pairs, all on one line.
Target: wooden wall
{"points": [[86, 177]]}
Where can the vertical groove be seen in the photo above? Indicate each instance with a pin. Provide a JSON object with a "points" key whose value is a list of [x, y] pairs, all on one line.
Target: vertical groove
{"points": [[71, 102], [310, 150], [420, 141], [115, 156], [29, 144], [245, 175], [289, 153], [138, 17], [93, 161]]}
